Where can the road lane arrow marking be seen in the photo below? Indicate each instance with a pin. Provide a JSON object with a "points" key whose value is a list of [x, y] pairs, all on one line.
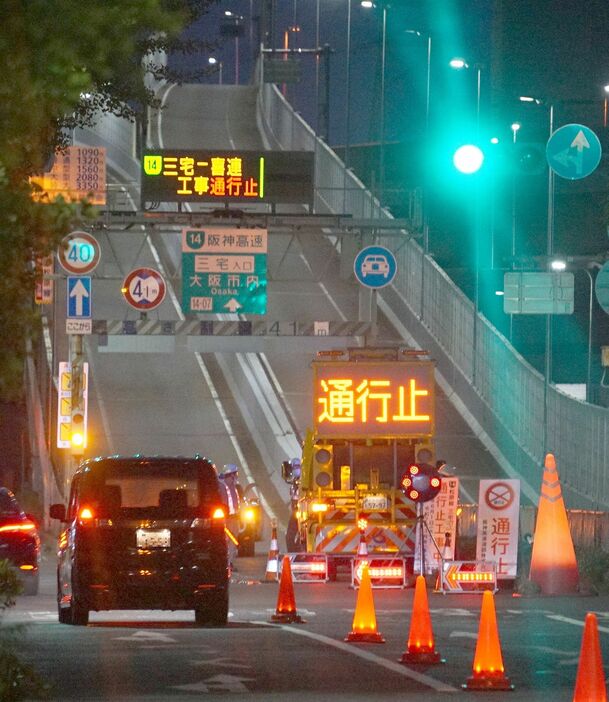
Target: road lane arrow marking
{"points": [[217, 683], [227, 662], [147, 637]]}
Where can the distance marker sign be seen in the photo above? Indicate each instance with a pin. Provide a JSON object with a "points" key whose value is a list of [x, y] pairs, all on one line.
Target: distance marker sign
{"points": [[144, 289]]}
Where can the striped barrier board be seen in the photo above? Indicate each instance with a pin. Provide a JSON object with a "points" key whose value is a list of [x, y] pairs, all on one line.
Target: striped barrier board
{"points": [[198, 327]]}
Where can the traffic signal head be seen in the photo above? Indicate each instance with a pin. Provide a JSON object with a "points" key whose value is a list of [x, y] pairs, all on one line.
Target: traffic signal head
{"points": [[468, 159], [78, 431], [529, 158], [420, 482], [323, 473]]}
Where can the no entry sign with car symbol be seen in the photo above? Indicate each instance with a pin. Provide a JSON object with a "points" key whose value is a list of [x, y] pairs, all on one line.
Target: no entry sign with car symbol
{"points": [[144, 289], [498, 512]]}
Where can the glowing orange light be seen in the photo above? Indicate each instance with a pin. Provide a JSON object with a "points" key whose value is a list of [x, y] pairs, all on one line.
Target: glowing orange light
{"points": [[435, 482], [20, 526], [26, 567], [86, 513], [249, 515], [414, 470], [362, 523], [218, 513], [413, 494], [319, 507]]}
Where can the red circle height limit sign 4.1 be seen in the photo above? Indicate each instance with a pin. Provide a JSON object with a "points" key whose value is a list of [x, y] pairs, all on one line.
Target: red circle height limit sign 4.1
{"points": [[78, 253], [144, 289]]}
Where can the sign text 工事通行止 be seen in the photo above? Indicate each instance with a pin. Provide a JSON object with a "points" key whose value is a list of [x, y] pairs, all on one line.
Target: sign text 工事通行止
{"points": [[373, 400], [224, 176]]}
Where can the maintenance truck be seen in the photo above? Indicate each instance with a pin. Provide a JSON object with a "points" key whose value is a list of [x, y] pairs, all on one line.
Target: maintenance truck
{"points": [[373, 418]]}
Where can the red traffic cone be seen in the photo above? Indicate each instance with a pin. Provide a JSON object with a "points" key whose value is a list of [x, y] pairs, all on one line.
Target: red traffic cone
{"points": [[421, 647], [286, 602], [488, 663], [272, 563], [364, 619], [590, 681], [553, 562]]}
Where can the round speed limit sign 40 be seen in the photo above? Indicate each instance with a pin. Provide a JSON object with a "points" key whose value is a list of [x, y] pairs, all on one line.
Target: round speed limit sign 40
{"points": [[144, 289]]}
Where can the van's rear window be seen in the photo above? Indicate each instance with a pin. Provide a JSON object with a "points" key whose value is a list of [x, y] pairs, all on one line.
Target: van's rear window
{"points": [[169, 489]]}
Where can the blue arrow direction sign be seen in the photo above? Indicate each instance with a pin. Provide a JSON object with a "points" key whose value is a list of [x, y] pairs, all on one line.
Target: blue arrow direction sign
{"points": [[375, 267], [573, 151], [79, 297]]}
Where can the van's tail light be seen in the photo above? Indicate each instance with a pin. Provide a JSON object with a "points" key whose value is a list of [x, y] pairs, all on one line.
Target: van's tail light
{"points": [[18, 527], [218, 515]]}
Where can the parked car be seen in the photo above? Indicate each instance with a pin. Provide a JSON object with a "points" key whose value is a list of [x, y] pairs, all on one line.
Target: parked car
{"points": [[19, 541], [143, 533]]}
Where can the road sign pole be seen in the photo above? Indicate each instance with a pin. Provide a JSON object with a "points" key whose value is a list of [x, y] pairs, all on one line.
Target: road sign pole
{"points": [[77, 394]]}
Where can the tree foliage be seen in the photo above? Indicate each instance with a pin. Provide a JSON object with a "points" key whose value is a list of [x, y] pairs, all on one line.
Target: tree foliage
{"points": [[61, 62]]}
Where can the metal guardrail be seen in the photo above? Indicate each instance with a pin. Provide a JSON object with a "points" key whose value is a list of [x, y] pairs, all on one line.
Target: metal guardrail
{"points": [[508, 392]]}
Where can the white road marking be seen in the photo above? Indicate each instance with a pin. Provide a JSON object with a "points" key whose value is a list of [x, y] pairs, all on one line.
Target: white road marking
{"points": [[217, 683], [463, 635], [576, 622], [371, 658], [147, 637], [224, 662]]}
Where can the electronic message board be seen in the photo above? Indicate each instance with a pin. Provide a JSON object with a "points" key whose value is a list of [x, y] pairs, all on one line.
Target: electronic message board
{"points": [[361, 400], [227, 176]]}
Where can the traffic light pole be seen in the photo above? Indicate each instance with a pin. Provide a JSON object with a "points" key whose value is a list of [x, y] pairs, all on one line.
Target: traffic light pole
{"points": [[76, 398]]}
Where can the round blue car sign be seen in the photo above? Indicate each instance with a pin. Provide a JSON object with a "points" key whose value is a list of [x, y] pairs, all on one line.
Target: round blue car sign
{"points": [[375, 267]]}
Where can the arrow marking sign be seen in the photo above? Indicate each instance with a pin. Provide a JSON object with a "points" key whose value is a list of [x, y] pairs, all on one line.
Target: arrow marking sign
{"points": [[79, 297]]}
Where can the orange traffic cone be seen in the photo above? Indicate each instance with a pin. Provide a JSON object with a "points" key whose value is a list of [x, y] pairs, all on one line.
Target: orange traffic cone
{"points": [[362, 547], [421, 647], [364, 619], [272, 563], [590, 681], [553, 562], [286, 603], [488, 663]]}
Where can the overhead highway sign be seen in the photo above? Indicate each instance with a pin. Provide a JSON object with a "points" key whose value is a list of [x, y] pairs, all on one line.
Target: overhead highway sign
{"points": [[224, 270], [227, 176]]}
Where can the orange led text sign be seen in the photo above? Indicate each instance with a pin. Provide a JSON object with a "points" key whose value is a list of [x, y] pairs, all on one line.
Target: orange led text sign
{"points": [[224, 176], [373, 400]]}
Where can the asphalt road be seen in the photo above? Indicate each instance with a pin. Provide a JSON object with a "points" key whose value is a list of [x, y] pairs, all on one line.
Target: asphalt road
{"points": [[154, 655]]}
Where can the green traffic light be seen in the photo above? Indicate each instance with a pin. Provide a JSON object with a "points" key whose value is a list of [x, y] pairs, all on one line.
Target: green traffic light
{"points": [[468, 159]]}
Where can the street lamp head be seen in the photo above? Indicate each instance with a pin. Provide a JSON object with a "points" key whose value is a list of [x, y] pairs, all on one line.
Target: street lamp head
{"points": [[530, 98], [367, 4], [212, 60], [558, 264], [515, 126], [458, 63], [606, 88]]}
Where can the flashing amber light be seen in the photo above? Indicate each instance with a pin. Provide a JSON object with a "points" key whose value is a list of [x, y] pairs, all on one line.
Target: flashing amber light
{"points": [[413, 494], [86, 514], [407, 482], [435, 482], [392, 572], [470, 577], [362, 524], [26, 567], [218, 513], [317, 567], [249, 515], [19, 526], [413, 470], [77, 439], [318, 507]]}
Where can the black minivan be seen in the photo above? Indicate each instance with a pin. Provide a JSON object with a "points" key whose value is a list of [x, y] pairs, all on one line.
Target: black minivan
{"points": [[143, 533]]}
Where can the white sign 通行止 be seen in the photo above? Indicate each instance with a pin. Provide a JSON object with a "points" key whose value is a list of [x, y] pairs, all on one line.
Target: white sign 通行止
{"points": [[498, 513], [440, 516]]}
